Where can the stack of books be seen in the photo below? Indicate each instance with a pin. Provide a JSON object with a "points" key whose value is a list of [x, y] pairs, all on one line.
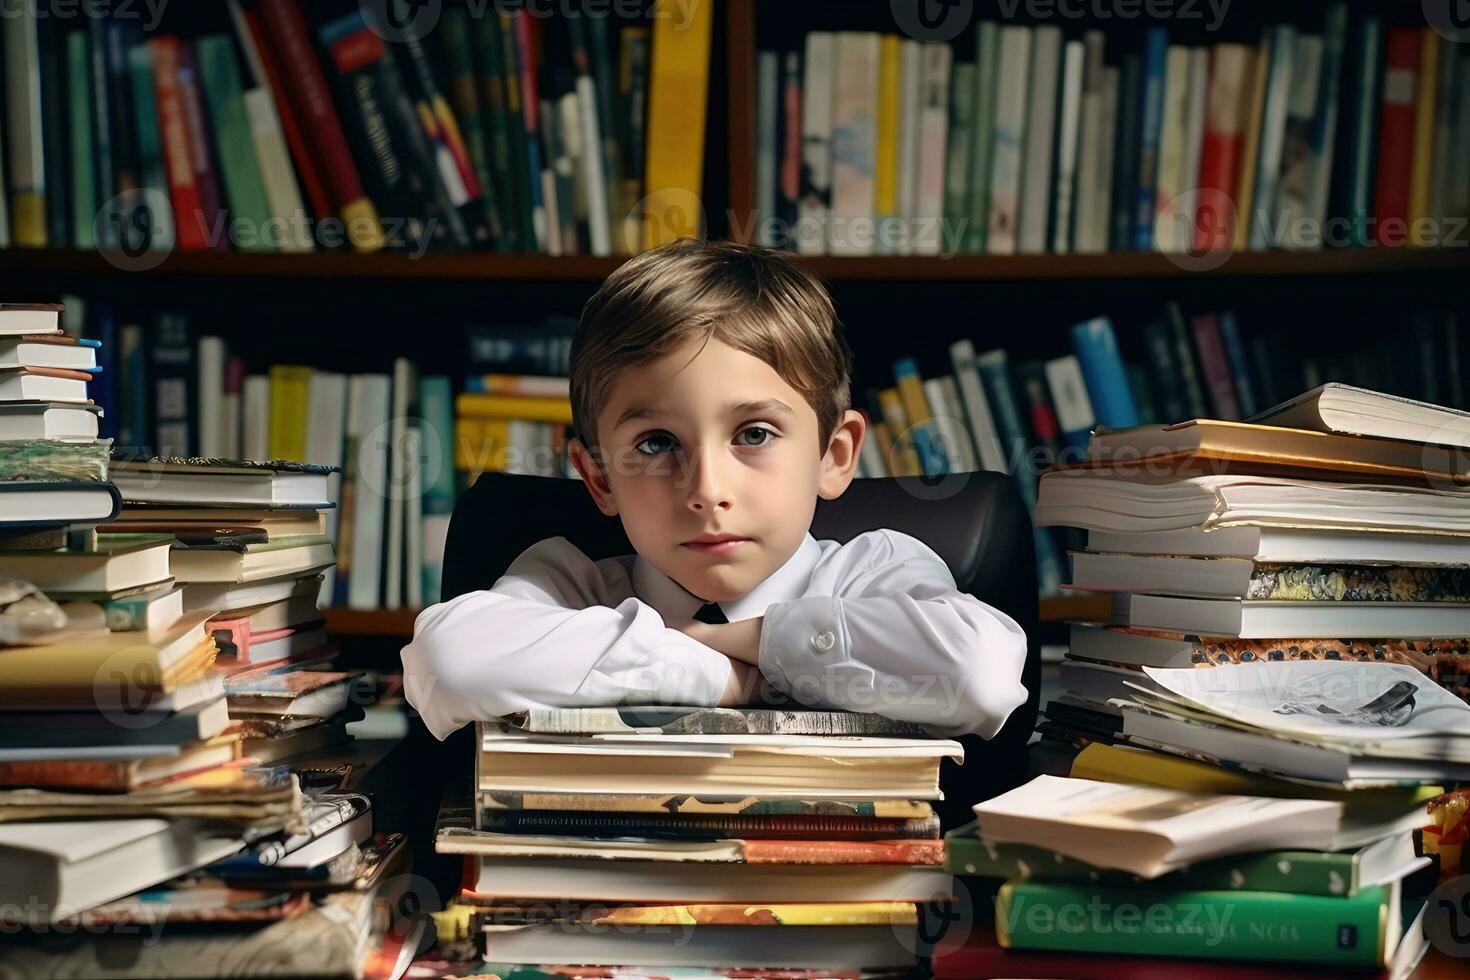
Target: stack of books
{"points": [[1281, 672], [156, 677], [1332, 527], [701, 837]]}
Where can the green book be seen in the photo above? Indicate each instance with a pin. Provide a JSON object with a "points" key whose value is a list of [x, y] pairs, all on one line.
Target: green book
{"points": [[960, 146], [463, 89], [150, 145], [436, 406], [987, 58], [244, 188], [1360, 932], [79, 122], [1326, 873]]}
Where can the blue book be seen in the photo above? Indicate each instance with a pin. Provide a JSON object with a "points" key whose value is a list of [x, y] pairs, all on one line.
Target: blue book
{"points": [[103, 327], [1011, 428], [1151, 125], [1102, 369], [1240, 372], [927, 439]]}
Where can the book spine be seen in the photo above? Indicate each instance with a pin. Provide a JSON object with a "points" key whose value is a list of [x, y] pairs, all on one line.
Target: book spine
{"points": [[1245, 391], [489, 55], [1324, 124], [79, 129], [916, 407], [1044, 426], [1214, 221], [1126, 153], [1357, 183], [1001, 237], [54, 129], [1073, 404], [788, 175], [24, 137], [191, 226], [471, 115], [1040, 140], [1340, 932], [1150, 128], [249, 209], [312, 101], [815, 205], [854, 131], [1211, 348], [1068, 136], [1184, 364], [202, 158], [959, 147], [1422, 158], [103, 176], [1096, 348], [987, 59], [887, 145], [1275, 109], [173, 358], [159, 226]]}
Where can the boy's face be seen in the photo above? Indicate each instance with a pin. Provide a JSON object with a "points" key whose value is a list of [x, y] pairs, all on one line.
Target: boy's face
{"points": [[713, 442]]}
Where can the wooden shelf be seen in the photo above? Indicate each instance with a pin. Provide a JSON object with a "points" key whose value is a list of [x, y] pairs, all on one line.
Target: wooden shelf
{"points": [[370, 622], [479, 266]]}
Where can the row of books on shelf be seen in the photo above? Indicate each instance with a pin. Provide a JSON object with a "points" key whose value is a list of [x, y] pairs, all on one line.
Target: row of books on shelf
{"points": [[1037, 141], [1252, 734], [497, 130], [202, 782]]}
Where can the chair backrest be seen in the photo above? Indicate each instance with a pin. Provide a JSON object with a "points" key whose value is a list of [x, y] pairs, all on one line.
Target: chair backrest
{"points": [[976, 522]]}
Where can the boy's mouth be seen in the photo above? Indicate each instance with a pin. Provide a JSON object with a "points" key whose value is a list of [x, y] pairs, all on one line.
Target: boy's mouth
{"points": [[715, 544]]}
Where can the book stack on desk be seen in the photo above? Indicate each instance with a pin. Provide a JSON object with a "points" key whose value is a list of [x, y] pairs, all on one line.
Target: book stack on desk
{"points": [[702, 837], [1334, 526], [153, 733]]}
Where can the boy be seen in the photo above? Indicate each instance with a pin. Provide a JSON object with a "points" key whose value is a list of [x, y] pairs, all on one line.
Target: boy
{"points": [[709, 385]]}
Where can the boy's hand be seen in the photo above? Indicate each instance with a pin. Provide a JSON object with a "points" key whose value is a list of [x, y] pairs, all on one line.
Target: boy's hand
{"points": [[745, 686], [739, 641]]}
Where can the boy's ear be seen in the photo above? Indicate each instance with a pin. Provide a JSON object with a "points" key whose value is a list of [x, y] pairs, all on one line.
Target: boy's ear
{"points": [[839, 463], [589, 465]]}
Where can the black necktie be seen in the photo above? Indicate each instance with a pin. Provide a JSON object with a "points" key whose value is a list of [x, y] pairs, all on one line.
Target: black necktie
{"points": [[710, 613]]}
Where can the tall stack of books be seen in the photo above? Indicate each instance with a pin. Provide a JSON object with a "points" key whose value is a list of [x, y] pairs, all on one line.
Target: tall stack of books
{"points": [[700, 837], [156, 676], [1288, 633]]}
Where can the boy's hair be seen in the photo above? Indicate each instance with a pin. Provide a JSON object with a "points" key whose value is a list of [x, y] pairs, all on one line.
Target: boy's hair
{"points": [[752, 298]]}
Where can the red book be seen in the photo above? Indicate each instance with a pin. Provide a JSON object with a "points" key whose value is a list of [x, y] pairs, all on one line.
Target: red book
{"points": [[312, 101], [1396, 135], [178, 153], [206, 175], [1215, 217], [311, 179]]}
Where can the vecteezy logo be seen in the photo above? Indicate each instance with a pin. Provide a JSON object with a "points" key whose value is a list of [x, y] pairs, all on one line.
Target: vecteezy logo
{"points": [[401, 20], [1450, 19], [935, 21], [134, 229]]}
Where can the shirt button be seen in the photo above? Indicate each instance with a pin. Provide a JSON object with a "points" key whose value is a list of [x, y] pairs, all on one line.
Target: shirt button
{"points": [[823, 642]]}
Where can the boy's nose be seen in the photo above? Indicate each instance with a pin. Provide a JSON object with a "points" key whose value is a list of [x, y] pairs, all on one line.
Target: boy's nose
{"points": [[708, 484]]}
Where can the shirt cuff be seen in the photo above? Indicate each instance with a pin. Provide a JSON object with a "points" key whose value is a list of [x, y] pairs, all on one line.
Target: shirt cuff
{"points": [[805, 648]]}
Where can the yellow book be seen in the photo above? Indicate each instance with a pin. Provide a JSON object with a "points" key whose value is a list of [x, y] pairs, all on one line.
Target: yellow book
{"points": [[903, 459], [1124, 764], [678, 90], [290, 393], [1245, 188], [786, 914], [885, 167], [524, 407], [1424, 110], [28, 220], [480, 445], [117, 665]]}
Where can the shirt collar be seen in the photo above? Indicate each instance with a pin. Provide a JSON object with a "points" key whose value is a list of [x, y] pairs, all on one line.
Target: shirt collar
{"points": [[674, 602]]}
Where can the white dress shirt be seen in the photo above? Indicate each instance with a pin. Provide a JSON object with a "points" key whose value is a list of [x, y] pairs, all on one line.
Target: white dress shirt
{"points": [[875, 624]]}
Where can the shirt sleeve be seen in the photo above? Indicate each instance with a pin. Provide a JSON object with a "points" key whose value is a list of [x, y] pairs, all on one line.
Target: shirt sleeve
{"points": [[550, 633], [896, 637]]}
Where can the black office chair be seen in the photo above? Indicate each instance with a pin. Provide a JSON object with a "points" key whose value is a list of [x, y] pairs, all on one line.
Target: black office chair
{"points": [[976, 522]]}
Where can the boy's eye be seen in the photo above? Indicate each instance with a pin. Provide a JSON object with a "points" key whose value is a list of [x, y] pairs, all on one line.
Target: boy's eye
{"points": [[657, 443], [759, 430], [657, 439]]}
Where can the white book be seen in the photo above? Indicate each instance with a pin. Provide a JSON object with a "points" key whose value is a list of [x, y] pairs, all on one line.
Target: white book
{"points": [[949, 420], [910, 110], [367, 416], [17, 386], [1008, 139], [1169, 178], [49, 420], [1040, 142], [814, 207], [283, 194], [978, 418], [1287, 545], [1194, 146], [1349, 410], [212, 354], [1070, 398], [229, 406], [413, 554], [405, 385], [926, 230], [871, 457], [854, 143], [1279, 76], [766, 94], [1278, 619], [326, 436], [590, 165], [1073, 59], [255, 423], [1091, 147]]}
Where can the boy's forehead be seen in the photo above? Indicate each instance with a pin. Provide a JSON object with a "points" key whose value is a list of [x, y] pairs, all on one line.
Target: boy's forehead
{"points": [[654, 407]]}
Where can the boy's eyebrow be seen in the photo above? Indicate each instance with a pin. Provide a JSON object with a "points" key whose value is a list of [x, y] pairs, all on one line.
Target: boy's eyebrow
{"points": [[733, 408]]}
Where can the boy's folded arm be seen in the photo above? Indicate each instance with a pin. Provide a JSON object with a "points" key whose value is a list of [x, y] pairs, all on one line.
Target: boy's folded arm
{"points": [[542, 636], [900, 640]]}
